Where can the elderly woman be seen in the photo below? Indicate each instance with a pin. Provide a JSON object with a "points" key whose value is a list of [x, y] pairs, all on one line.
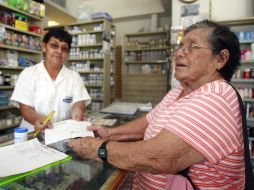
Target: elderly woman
{"points": [[197, 125]]}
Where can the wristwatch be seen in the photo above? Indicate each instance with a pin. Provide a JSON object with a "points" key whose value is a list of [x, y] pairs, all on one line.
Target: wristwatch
{"points": [[102, 151]]}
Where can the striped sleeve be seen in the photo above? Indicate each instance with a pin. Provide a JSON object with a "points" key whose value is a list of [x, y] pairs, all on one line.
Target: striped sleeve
{"points": [[208, 124]]}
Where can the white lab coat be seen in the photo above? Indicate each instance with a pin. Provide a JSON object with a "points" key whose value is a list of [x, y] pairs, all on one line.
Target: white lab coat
{"points": [[35, 88]]}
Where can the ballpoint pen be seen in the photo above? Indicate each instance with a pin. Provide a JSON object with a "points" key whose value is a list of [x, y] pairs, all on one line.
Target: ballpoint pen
{"points": [[49, 116]]}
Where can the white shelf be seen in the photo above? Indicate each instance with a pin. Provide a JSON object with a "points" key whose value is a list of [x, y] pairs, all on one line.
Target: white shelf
{"points": [[86, 32], [146, 62], [250, 122], [7, 108], [6, 87], [247, 62], [88, 46], [85, 59], [20, 49], [251, 81], [241, 21], [58, 13], [143, 34], [21, 31], [9, 8], [147, 49], [11, 68]]}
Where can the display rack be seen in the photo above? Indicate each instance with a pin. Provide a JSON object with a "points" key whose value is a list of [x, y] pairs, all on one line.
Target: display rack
{"points": [[146, 68], [20, 42], [92, 55]]}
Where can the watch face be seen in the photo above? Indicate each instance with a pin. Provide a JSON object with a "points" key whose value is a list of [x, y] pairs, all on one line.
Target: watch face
{"points": [[102, 153]]}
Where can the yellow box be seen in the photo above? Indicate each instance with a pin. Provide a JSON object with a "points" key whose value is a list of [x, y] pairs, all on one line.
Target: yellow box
{"points": [[21, 25]]}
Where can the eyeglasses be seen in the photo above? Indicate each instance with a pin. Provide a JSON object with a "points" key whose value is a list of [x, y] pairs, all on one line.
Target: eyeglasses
{"points": [[189, 47], [56, 47]]}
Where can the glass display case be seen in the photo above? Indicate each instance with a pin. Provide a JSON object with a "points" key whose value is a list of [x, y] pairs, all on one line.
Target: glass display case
{"points": [[75, 174]]}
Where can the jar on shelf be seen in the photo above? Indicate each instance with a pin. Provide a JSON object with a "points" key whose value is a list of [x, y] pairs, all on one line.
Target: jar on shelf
{"points": [[246, 74]]}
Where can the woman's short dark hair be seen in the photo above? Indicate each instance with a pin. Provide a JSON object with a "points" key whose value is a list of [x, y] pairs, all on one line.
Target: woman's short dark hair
{"points": [[59, 34], [222, 38]]}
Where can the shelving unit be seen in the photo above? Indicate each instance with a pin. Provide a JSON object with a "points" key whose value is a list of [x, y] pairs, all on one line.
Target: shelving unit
{"points": [[146, 68], [29, 49], [245, 84], [92, 56]]}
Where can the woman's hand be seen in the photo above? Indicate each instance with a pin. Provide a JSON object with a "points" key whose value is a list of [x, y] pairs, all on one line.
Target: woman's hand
{"points": [[100, 131], [86, 147], [41, 125]]}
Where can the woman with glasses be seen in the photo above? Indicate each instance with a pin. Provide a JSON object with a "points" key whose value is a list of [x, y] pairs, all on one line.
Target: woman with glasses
{"points": [[197, 125], [50, 86]]}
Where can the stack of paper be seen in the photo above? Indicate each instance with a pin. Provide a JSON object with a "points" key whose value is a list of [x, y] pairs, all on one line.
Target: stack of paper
{"points": [[27, 156]]}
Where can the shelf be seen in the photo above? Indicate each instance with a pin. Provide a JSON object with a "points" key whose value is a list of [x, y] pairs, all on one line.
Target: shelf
{"points": [[9, 127], [242, 21], [97, 99], [9, 8], [58, 13], [246, 41], [86, 32], [242, 81], [88, 46], [6, 87], [147, 49], [85, 59], [142, 34], [21, 31], [11, 68], [146, 62], [250, 122], [93, 85], [20, 49], [87, 22], [7, 108], [248, 100], [102, 61], [247, 61], [90, 72]]}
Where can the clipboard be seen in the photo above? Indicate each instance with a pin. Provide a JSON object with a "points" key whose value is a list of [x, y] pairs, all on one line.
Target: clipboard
{"points": [[9, 179]]}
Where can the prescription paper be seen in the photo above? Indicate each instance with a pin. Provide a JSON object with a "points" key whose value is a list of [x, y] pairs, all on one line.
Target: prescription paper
{"points": [[67, 129], [27, 156]]}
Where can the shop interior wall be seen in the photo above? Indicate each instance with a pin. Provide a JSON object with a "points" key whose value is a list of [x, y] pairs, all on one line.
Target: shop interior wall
{"points": [[216, 9], [129, 15]]}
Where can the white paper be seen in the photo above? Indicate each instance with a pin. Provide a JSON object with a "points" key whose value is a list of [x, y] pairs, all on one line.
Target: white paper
{"points": [[126, 108], [26, 156], [67, 129]]}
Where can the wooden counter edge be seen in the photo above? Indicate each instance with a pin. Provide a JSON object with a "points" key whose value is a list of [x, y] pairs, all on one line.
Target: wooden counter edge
{"points": [[115, 180]]}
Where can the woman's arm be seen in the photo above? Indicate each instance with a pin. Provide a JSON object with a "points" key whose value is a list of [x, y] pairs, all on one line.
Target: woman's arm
{"points": [[78, 111], [31, 116], [165, 153]]}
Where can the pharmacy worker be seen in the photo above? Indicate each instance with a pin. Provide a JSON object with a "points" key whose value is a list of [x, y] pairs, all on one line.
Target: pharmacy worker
{"points": [[50, 86]]}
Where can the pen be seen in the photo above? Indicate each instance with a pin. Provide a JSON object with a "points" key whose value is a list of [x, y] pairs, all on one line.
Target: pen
{"points": [[49, 116]]}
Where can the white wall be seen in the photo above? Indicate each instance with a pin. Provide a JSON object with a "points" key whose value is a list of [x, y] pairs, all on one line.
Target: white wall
{"points": [[129, 16], [216, 9], [118, 8]]}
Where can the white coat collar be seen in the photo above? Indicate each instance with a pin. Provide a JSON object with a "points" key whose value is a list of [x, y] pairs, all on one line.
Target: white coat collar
{"points": [[60, 76]]}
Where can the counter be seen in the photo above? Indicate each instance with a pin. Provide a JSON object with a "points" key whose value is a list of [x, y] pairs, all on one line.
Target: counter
{"points": [[75, 174]]}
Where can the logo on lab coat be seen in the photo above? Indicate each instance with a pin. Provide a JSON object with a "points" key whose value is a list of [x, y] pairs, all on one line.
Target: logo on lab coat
{"points": [[68, 99]]}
